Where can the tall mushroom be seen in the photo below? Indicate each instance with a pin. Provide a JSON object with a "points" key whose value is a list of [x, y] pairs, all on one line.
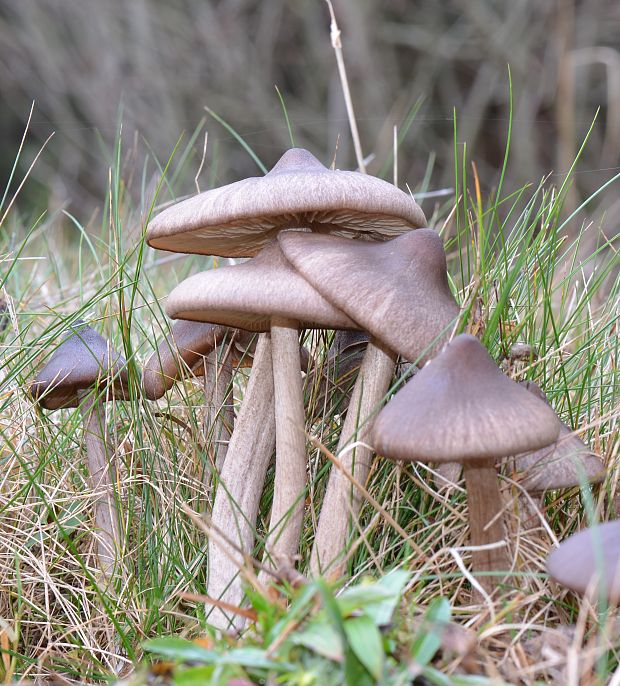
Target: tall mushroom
{"points": [[299, 192], [84, 371], [398, 291], [461, 408], [257, 296]]}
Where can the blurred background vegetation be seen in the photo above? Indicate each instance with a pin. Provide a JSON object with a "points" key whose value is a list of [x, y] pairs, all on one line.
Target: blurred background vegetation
{"points": [[156, 64]]}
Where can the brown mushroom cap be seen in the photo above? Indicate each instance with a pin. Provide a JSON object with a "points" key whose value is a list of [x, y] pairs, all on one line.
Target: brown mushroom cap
{"points": [[397, 290], [83, 360], [347, 343], [339, 371], [591, 554], [239, 219], [185, 347], [249, 295], [563, 464], [460, 407]]}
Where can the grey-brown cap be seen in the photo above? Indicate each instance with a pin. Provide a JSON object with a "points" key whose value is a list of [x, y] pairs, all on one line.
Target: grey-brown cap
{"points": [[591, 557], [249, 295], [185, 348], [461, 408], [346, 343], [339, 371], [82, 361], [564, 464], [239, 219], [397, 290]]}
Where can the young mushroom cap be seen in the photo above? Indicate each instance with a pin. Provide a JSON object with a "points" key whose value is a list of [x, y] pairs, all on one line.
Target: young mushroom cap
{"points": [[185, 347], [564, 464], [249, 295], [461, 408], [339, 371], [590, 557], [239, 219], [397, 290], [345, 341], [83, 360]]}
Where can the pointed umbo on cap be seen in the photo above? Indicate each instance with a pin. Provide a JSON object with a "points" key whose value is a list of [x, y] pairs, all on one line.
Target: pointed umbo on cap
{"points": [[249, 295], [590, 556], [299, 192], [397, 290], [461, 408], [83, 360], [185, 347], [564, 464]]}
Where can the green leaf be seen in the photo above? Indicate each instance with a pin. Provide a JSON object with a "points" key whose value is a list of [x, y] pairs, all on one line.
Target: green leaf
{"points": [[193, 676], [253, 658], [428, 639], [354, 671], [437, 678], [302, 603], [378, 600], [179, 649], [365, 641], [76, 517], [321, 638]]}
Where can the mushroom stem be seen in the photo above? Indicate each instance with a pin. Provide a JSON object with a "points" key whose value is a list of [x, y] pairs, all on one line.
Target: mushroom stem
{"points": [[240, 487], [341, 500], [100, 460], [219, 411], [484, 502], [287, 512]]}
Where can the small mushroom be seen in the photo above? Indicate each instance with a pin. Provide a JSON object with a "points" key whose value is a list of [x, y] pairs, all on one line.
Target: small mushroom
{"points": [[84, 371], [564, 464], [398, 291], [335, 379], [208, 351], [589, 561], [461, 408]]}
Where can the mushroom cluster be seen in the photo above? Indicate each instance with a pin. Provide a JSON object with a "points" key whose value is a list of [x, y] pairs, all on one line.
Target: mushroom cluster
{"points": [[302, 199], [333, 250]]}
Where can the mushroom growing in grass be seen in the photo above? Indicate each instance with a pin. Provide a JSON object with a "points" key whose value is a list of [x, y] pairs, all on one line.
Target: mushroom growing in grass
{"points": [[336, 377], [564, 464], [206, 350], [84, 371], [461, 408], [398, 291], [589, 561], [267, 294], [238, 220], [299, 192]]}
